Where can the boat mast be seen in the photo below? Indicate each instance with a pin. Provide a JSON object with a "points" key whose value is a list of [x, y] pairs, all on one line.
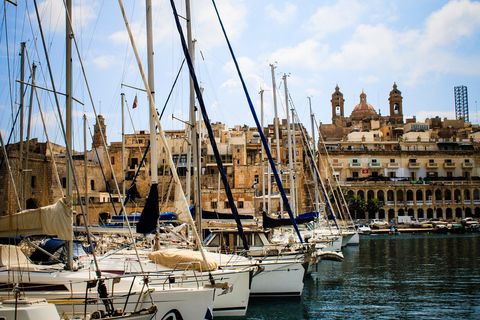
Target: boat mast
{"points": [[193, 146], [85, 166], [294, 143], [263, 152], [122, 95], [314, 155], [68, 115], [289, 148], [277, 135], [151, 85], [20, 154]]}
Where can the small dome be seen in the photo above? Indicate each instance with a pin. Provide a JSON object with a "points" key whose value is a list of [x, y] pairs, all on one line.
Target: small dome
{"points": [[363, 108]]}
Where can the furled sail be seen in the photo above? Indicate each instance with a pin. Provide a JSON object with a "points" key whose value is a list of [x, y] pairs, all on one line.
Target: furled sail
{"points": [[149, 217], [56, 219]]}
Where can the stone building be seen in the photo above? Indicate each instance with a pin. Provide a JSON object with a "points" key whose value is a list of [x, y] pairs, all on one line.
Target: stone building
{"points": [[424, 170]]}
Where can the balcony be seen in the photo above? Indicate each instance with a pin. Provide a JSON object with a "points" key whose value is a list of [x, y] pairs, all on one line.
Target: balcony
{"points": [[449, 165], [414, 165], [432, 165], [467, 165], [337, 165], [393, 165], [374, 165], [355, 165]]}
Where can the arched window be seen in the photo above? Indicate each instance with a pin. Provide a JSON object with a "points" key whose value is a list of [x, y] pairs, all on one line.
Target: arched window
{"points": [[370, 194], [448, 196], [419, 195], [381, 196], [399, 196], [457, 196]]}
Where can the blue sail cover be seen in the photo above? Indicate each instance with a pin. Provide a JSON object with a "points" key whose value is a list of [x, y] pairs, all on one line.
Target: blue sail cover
{"points": [[208, 126], [303, 218]]}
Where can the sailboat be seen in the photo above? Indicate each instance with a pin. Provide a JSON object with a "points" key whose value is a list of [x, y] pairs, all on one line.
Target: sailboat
{"points": [[86, 291]]}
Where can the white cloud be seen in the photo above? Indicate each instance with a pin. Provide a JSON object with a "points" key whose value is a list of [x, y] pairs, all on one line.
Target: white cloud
{"points": [[289, 13], [368, 79], [328, 19], [207, 28], [52, 15], [457, 19], [105, 61], [307, 54]]}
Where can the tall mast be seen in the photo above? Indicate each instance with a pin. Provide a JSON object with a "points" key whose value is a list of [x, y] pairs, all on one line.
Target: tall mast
{"points": [[151, 85], [20, 155], [263, 162], [122, 95], [85, 166], [289, 147], [68, 115], [314, 155], [277, 135], [294, 143], [193, 147]]}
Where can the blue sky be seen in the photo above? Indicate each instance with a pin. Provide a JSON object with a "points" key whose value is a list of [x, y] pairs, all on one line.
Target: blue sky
{"points": [[427, 47]]}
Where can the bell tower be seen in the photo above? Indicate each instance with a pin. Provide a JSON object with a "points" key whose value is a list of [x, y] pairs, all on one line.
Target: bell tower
{"points": [[396, 110], [337, 107], [97, 137]]}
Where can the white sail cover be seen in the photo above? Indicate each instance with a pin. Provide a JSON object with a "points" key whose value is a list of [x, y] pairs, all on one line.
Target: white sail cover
{"points": [[181, 207], [56, 219]]}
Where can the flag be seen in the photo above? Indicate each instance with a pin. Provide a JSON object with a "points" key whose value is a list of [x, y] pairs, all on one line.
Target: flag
{"points": [[135, 102]]}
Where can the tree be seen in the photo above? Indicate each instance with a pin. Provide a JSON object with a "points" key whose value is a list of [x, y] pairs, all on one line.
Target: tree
{"points": [[356, 204], [373, 206]]}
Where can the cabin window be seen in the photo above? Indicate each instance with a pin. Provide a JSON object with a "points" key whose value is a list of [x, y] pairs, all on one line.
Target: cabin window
{"points": [[257, 241], [215, 241]]}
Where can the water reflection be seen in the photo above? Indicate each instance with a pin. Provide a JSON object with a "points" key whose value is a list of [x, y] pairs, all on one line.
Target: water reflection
{"points": [[390, 277]]}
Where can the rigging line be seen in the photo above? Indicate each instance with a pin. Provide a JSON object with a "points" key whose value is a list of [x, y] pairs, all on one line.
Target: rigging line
{"points": [[94, 109], [344, 200], [321, 184], [208, 126], [68, 152], [133, 126], [8, 61], [260, 130], [46, 133], [171, 90]]}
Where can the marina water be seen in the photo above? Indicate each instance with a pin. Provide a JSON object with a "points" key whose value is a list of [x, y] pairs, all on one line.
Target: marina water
{"points": [[406, 276]]}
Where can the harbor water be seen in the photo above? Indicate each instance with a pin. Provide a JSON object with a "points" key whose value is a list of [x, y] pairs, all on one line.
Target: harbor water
{"points": [[406, 276]]}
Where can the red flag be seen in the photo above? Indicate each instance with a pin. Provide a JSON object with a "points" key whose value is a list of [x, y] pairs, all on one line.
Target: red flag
{"points": [[135, 102]]}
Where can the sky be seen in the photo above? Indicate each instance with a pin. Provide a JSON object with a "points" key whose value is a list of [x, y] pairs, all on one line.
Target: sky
{"points": [[426, 47]]}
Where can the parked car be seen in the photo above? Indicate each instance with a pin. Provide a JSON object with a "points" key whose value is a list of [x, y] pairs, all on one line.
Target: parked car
{"points": [[380, 223]]}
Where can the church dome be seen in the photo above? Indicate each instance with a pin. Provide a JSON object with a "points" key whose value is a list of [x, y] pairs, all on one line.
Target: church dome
{"points": [[363, 108]]}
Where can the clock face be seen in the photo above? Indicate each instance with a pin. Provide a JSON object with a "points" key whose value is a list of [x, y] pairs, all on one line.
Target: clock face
{"points": [[97, 129]]}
